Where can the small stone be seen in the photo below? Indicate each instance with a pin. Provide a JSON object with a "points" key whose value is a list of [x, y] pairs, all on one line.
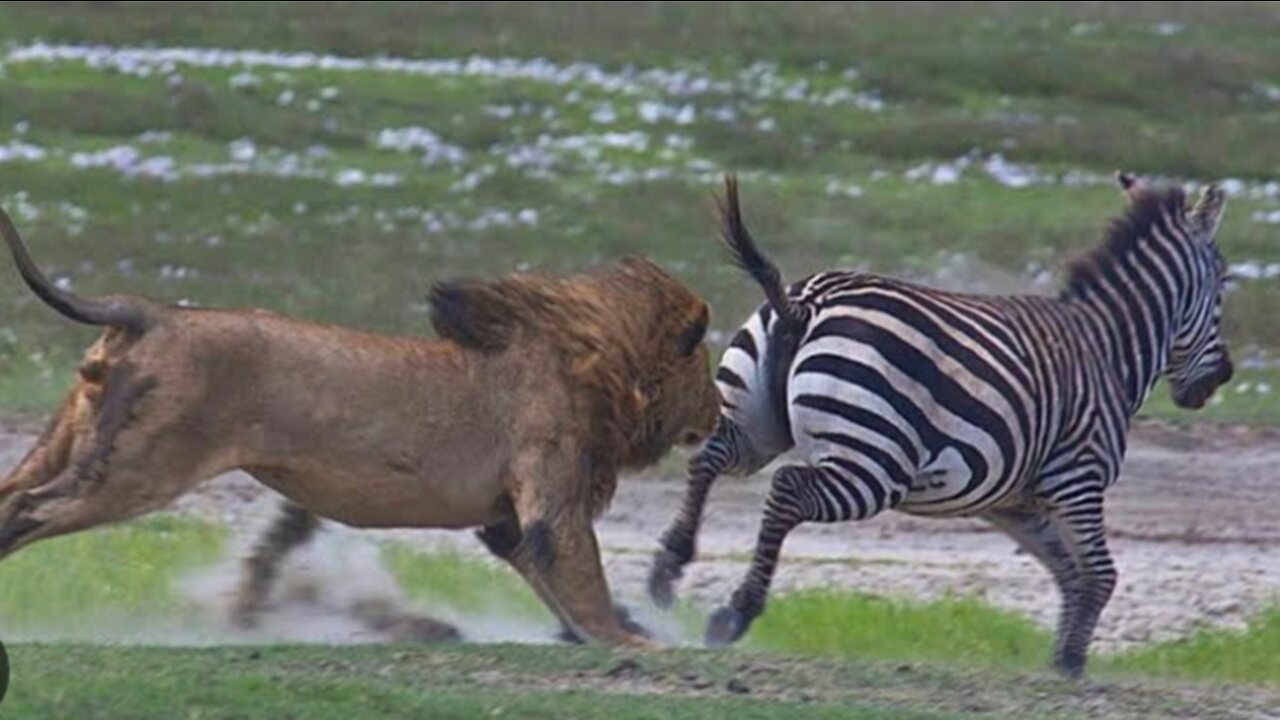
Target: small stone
{"points": [[1225, 607], [737, 687], [625, 668]]}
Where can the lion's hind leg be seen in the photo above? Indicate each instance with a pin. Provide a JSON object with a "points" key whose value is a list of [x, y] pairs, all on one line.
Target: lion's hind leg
{"points": [[109, 455], [70, 502], [384, 616], [292, 527], [52, 451]]}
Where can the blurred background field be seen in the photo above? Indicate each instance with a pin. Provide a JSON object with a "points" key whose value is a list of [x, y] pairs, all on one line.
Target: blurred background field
{"points": [[331, 159]]}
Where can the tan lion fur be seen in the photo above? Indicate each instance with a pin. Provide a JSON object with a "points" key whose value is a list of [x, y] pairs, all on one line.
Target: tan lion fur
{"points": [[516, 421]]}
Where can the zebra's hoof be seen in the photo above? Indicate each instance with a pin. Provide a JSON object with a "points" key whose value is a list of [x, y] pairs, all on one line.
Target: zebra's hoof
{"points": [[662, 579], [1070, 668], [725, 627]]}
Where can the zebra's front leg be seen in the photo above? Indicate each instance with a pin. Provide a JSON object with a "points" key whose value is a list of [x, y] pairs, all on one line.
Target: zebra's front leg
{"points": [[1079, 518], [1037, 533], [727, 450], [832, 492]]}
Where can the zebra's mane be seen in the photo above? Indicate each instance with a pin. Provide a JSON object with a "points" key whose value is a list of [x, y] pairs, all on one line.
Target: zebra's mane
{"points": [[1124, 233]]}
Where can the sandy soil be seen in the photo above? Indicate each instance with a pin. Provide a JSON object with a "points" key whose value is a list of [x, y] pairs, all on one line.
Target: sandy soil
{"points": [[1195, 527]]}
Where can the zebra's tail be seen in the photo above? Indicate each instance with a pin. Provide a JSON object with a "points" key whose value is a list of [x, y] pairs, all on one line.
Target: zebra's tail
{"points": [[747, 256]]}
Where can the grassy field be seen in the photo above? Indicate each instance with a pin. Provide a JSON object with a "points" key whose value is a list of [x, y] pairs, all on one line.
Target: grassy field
{"points": [[873, 658], [78, 587], [967, 145], [564, 683], [83, 579], [856, 625]]}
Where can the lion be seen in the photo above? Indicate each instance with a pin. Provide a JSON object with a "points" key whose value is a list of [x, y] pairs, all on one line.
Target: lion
{"points": [[517, 420]]}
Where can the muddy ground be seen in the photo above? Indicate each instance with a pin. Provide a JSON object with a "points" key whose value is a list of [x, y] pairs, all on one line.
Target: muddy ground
{"points": [[1195, 528]]}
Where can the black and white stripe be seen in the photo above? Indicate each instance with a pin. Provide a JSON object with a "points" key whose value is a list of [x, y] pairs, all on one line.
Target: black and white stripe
{"points": [[942, 404]]}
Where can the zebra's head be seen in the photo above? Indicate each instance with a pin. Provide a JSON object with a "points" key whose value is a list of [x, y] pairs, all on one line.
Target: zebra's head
{"points": [[1199, 361]]}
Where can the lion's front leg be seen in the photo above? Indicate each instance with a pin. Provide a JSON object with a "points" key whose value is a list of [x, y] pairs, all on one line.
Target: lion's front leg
{"points": [[566, 562], [556, 547], [504, 540]]}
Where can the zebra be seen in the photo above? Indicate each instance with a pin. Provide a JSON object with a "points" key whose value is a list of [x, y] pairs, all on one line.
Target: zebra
{"points": [[1014, 408]]}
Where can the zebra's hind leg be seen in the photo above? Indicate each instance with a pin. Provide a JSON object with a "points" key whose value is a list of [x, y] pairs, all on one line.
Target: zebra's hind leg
{"points": [[1036, 532], [729, 449], [834, 491]]}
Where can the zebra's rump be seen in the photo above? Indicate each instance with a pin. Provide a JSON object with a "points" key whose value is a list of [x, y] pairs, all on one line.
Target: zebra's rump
{"points": [[751, 379], [912, 396]]}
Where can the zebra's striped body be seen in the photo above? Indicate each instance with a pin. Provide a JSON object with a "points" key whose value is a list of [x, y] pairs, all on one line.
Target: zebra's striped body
{"points": [[935, 401], [942, 404]]}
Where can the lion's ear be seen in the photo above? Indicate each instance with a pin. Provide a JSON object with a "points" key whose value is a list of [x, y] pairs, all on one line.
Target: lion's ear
{"points": [[693, 334]]}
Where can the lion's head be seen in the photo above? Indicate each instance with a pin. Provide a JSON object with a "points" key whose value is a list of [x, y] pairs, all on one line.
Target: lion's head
{"points": [[630, 340], [677, 400]]}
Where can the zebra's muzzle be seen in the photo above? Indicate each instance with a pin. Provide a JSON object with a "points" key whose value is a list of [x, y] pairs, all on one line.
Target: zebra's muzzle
{"points": [[1196, 393]]}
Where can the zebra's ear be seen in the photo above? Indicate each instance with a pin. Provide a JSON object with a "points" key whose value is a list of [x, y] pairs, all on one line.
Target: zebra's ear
{"points": [[1129, 183], [1206, 215]]}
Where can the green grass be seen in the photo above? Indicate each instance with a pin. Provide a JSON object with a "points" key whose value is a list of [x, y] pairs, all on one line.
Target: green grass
{"points": [[1251, 655], [1118, 93], [967, 631], [106, 683], [855, 625], [371, 682], [462, 582], [297, 683], [831, 622], [75, 582], [79, 585]]}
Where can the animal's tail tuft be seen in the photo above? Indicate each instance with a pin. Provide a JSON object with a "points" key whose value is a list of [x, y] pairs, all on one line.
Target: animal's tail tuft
{"points": [[747, 255]]}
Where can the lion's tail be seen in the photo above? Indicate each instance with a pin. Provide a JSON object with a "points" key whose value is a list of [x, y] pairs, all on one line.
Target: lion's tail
{"points": [[116, 312], [748, 256]]}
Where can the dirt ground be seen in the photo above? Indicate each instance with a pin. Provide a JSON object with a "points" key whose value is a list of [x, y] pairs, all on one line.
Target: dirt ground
{"points": [[1194, 525]]}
